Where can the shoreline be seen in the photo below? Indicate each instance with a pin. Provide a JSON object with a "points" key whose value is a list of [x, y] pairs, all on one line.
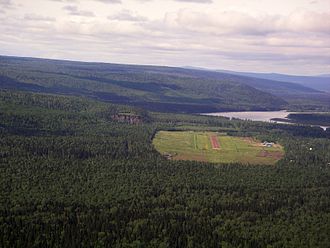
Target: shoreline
{"points": [[279, 117]]}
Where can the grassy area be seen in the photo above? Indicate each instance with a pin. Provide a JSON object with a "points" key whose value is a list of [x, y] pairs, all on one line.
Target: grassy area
{"points": [[191, 145]]}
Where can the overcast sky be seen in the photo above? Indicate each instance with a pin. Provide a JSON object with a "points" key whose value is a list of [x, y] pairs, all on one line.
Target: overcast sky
{"points": [[286, 36]]}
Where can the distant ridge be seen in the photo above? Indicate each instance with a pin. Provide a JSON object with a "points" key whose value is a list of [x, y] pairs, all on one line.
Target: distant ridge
{"points": [[320, 83], [324, 75], [157, 88], [278, 88], [300, 96]]}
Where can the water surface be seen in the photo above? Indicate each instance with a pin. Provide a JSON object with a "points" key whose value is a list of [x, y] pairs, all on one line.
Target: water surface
{"points": [[266, 116], [254, 115]]}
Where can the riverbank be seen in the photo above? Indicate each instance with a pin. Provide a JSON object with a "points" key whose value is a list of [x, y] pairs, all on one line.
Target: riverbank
{"points": [[281, 116]]}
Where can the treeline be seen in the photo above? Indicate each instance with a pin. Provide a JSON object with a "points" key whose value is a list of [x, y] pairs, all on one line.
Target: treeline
{"points": [[311, 118]]}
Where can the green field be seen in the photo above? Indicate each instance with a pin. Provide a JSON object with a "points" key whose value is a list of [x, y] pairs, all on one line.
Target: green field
{"points": [[197, 146]]}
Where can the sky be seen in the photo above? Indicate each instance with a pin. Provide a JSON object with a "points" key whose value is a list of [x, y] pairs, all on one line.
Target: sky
{"points": [[283, 36]]}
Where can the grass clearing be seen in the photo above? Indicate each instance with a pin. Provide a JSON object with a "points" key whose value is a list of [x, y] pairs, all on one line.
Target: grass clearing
{"points": [[190, 145]]}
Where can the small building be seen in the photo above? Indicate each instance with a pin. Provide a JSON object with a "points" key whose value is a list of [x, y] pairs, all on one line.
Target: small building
{"points": [[268, 144], [168, 155]]}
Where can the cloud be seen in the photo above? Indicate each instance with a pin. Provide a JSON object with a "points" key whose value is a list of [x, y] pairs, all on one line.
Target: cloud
{"points": [[195, 1], [65, 1], [127, 15], [74, 11], [212, 36], [233, 22], [6, 4], [109, 1], [306, 21], [183, 1], [35, 17], [76, 1], [228, 22]]}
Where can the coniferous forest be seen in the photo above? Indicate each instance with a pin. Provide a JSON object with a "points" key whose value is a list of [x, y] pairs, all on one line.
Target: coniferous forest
{"points": [[75, 174]]}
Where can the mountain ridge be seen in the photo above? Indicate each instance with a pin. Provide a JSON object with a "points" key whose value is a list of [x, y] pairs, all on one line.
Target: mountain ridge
{"points": [[320, 82], [152, 87]]}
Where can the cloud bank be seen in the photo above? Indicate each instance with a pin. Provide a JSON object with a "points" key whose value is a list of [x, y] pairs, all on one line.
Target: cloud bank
{"points": [[274, 37]]}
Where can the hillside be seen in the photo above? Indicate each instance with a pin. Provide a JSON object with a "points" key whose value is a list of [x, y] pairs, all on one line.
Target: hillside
{"points": [[267, 85], [299, 97], [319, 83], [150, 87]]}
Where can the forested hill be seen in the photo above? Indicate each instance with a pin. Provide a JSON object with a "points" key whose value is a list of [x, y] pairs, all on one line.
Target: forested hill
{"points": [[155, 88], [299, 95], [321, 82], [279, 88]]}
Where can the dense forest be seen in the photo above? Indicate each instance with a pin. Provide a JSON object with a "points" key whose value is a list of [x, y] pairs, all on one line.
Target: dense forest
{"points": [[158, 88], [75, 173], [163, 89], [311, 118]]}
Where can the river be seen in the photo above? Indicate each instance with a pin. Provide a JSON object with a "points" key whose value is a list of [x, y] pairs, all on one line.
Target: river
{"points": [[265, 116]]}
